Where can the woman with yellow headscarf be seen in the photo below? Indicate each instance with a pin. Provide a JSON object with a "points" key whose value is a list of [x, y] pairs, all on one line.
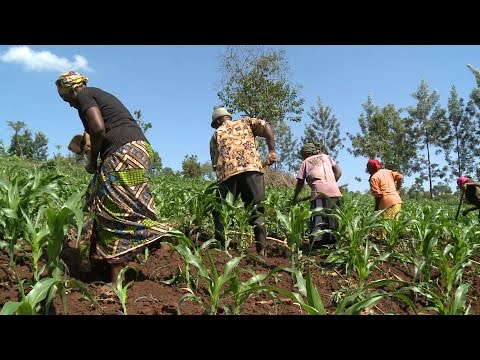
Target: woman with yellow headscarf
{"points": [[119, 195]]}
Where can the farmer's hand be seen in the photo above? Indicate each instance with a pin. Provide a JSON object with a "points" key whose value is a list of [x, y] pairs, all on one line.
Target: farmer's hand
{"points": [[271, 157]]}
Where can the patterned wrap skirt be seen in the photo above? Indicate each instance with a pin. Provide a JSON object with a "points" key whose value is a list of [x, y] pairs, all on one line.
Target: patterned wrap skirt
{"points": [[393, 212], [123, 207]]}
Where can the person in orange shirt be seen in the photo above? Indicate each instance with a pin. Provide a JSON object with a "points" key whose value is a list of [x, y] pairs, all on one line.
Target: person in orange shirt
{"points": [[384, 186]]}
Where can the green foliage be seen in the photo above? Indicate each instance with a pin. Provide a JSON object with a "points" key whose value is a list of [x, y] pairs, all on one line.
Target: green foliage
{"points": [[191, 167], [427, 126], [40, 147], [324, 129], [383, 134], [23, 145], [39, 205], [167, 171], [31, 303], [286, 147], [255, 82], [121, 290], [207, 171], [144, 125], [215, 283], [157, 163]]}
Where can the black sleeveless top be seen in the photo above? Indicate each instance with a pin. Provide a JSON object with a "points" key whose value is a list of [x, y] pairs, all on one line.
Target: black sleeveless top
{"points": [[120, 126]]}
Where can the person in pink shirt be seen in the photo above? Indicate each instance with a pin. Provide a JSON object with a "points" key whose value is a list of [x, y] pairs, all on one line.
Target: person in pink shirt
{"points": [[321, 173], [385, 186], [471, 190]]}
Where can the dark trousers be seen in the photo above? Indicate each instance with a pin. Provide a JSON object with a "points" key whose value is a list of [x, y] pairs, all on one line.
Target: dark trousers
{"points": [[321, 222], [251, 188]]}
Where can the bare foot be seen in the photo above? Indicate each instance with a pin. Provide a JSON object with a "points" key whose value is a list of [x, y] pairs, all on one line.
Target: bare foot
{"points": [[106, 294]]}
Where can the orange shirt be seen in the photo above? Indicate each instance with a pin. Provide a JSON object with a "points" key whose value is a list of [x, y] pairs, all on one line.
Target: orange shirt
{"points": [[382, 185], [233, 149]]}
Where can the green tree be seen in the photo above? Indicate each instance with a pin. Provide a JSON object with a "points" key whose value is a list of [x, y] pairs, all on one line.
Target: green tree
{"points": [[473, 109], [144, 125], [428, 123], [207, 171], [191, 167], [324, 129], [167, 171], [58, 155], [367, 143], [475, 94], [23, 145], [287, 148], [442, 190], [40, 147], [460, 139], [157, 163], [383, 134], [416, 191], [3, 148], [19, 143], [255, 82]]}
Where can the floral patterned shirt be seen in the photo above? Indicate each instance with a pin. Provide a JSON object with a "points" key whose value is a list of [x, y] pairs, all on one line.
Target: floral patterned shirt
{"points": [[233, 149]]}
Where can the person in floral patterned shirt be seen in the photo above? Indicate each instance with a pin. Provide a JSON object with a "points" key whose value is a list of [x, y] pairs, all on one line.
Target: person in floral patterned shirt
{"points": [[239, 168]]}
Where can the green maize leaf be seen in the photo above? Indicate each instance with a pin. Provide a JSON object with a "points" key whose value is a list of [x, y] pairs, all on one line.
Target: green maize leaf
{"points": [[10, 213], [10, 308], [313, 297], [460, 298], [40, 291], [229, 266], [192, 259], [26, 308]]}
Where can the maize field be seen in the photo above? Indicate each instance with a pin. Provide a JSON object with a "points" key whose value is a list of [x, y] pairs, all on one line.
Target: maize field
{"points": [[426, 263]]}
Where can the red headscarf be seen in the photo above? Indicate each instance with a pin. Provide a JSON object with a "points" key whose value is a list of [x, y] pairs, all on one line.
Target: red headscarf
{"points": [[462, 180], [373, 165]]}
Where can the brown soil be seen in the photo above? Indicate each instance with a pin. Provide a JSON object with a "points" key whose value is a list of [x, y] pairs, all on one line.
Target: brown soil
{"points": [[149, 295]]}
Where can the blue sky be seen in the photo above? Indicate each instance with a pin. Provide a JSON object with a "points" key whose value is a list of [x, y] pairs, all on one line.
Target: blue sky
{"points": [[175, 87]]}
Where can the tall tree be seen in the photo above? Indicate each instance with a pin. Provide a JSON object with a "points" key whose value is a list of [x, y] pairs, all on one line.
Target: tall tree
{"points": [[324, 129], [398, 148], [17, 143], [428, 124], [473, 109], [287, 148], [459, 141], [383, 134], [366, 143], [255, 82], [475, 95], [3, 148], [40, 147], [191, 167]]}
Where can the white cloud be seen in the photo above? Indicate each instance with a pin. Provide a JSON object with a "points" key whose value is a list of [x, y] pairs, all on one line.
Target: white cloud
{"points": [[42, 60]]}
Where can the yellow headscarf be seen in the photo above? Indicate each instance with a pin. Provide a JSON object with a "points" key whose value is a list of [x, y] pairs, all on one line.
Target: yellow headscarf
{"points": [[69, 80]]}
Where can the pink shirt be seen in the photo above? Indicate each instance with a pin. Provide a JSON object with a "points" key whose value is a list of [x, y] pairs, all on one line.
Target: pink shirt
{"points": [[382, 185], [317, 171]]}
